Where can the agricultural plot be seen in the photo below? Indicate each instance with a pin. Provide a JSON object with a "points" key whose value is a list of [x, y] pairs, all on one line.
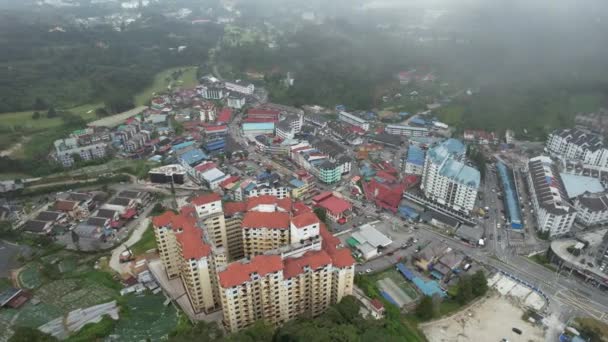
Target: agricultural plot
{"points": [[148, 319], [30, 277]]}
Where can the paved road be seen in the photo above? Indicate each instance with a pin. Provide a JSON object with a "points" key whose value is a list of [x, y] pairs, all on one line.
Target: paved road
{"points": [[137, 234]]}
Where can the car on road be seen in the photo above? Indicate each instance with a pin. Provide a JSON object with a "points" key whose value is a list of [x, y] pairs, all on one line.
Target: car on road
{"points": [[369, 270]]}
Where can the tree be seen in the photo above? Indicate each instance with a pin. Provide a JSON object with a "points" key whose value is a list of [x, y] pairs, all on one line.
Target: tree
{"points": [[26, 334], [51, 113], [425, 309], [39, 104], [101, 112], [479, 283], [36, 115], [465, 290], [321, 214]]}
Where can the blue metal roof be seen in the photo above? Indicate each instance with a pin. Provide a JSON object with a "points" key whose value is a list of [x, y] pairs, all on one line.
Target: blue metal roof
{"points": [[182, 145], [417, 121], [577, 185], [428, 288], [193, 156], [408, 212], [257, 125], [297, 183], [510, 196], [415, 155], [409, 275], [460, 173]]}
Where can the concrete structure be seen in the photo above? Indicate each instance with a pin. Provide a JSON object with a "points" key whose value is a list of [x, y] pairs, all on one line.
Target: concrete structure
{"points": [[408, 131], [66, 149], [280, 288], [414, 162], [575, 145], [247, 89], [554, 211], [174, 173], [449, 181], [592, 209], [353, 120], [336, 208], [185, 254], [511, 199]]}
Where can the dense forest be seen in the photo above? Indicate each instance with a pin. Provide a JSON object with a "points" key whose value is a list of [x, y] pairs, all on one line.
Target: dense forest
{"points": [[91, 65]]}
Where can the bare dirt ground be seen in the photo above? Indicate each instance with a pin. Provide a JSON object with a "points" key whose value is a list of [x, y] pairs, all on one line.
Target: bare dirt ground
{"points": [[492, 319]]}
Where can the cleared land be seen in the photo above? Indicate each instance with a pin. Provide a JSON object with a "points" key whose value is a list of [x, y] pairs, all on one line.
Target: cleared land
{"points": [[163, 80], [491, 319]]}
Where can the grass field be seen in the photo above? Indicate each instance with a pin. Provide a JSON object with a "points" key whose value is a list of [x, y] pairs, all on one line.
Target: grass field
{"points": [[451, 115], [146, 242], [163, 79], [24, 119], [30, 277]]}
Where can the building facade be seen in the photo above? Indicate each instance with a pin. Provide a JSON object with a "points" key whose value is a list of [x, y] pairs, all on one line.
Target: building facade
{"points": [[555, 213], [591, 209], [449, 181], [353, 120], [407, 131], [575, 145]]}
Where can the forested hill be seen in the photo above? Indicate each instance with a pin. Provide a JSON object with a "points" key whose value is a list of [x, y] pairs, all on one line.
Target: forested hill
{"points": [[65, 66]]}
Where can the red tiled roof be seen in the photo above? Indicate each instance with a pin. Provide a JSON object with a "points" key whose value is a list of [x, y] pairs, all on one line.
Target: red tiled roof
{"points": [[304, 220], [260, 111], [250, 120], [206, 199], [231, 208], [204, 167], [191, 241], [238, 273], [284, 203], [377, 304], [335, 204], [65, 205], [229, 181], [300, 208], [322, 196], [341, 257], [272, 220], [163, 219], [225, 115], [216, 128], [313, 260], [188, 210]]}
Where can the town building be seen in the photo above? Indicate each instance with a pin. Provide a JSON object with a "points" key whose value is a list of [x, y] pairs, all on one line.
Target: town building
{"points": [[184, 253], [336, 208], [555, 213], [408, 131], [480, 137], [289, 127], [353, 120], [447, 180], [253, 129], [575, 145], [294, 266], [238, 87], [413, 163], [592, 209], [236, 101], [67, 149]]}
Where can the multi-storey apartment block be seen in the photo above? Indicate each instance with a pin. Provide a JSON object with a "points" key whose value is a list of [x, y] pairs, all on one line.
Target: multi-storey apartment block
{"points": [[575, 145], [295, 266], [447, 180], [555, 213]]}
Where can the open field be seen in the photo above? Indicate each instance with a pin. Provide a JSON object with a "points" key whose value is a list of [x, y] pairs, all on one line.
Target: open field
{"points": [[25, 121], [163, 79], [489, 320]]}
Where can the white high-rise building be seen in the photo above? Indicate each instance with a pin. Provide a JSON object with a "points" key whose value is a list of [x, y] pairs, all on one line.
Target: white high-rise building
{"points": [[447, 180], [575, 145], [554, 211]]}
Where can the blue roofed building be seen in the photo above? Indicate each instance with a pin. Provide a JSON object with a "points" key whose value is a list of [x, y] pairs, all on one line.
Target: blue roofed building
{"points": [[252, 129], [216, 145], [511, 199], [182, 146], [192, 157], [447, 179], [414, 162], [417, 121]]}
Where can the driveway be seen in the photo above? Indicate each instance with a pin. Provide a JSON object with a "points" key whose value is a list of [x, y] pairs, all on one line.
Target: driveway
{"points": [[137, 233]]}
